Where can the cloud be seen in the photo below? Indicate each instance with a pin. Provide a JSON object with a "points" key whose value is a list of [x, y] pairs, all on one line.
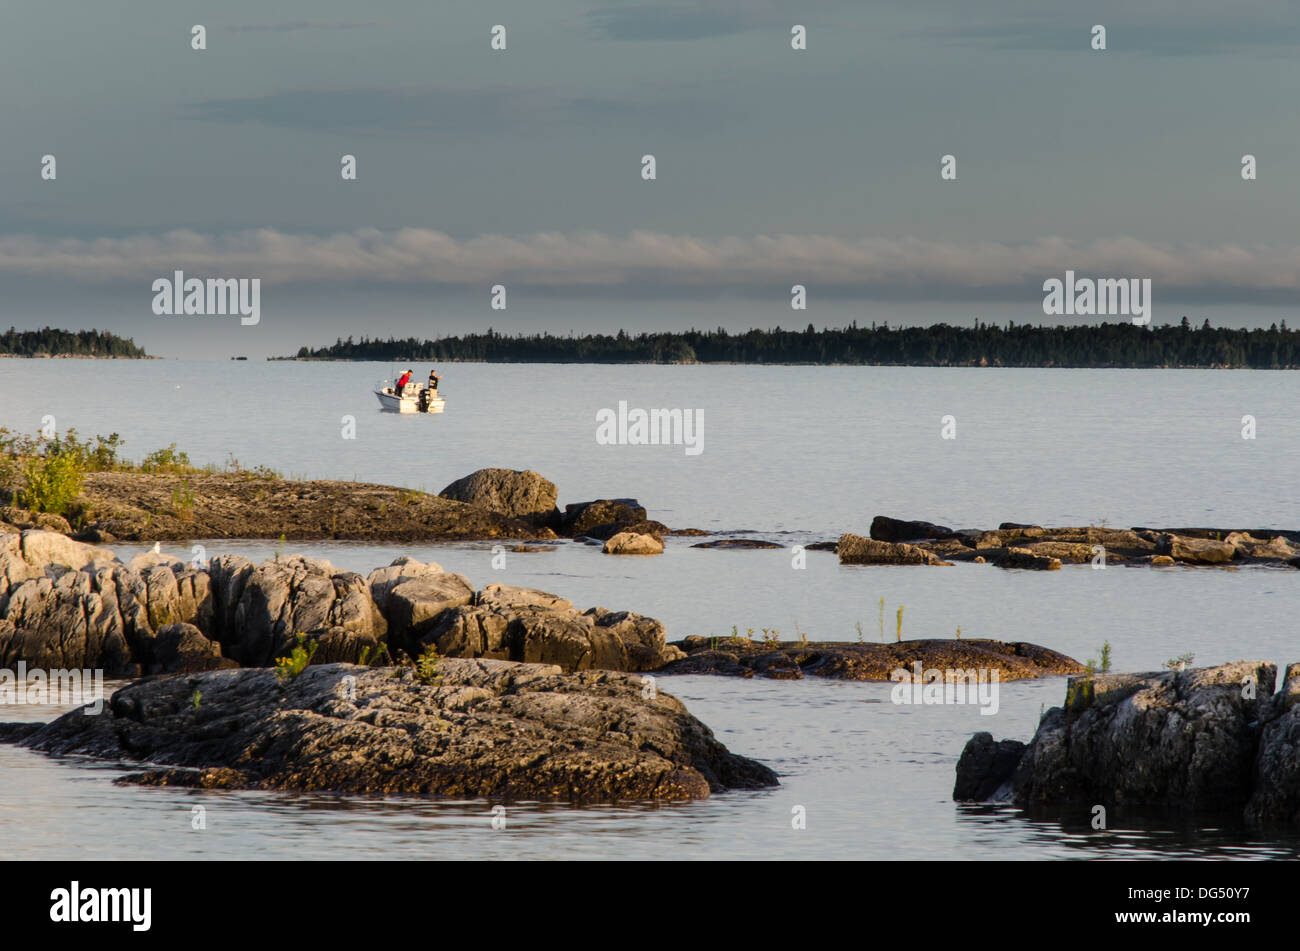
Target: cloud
{"points": [[1193, 27], [295, 25], [445, 109], [702, 19], [667, 265]]}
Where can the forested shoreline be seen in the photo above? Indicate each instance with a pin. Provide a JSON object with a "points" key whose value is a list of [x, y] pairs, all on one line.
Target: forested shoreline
{"points": [[1108, 345], [49, 342]]}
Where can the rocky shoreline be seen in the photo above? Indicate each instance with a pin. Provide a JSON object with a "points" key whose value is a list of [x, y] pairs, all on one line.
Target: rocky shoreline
{"points": [[1196, 741], [492, 504]]}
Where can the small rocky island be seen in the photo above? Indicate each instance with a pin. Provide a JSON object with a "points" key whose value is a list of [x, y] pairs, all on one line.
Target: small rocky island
{"points": [[477, 728], [739, 657]]}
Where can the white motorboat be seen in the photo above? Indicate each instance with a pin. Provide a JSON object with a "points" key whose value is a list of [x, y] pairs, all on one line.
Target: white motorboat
{"points": [[414, 398]]}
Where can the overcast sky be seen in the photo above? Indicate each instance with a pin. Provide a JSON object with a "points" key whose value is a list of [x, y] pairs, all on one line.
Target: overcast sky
{"points": [[523, 167]]}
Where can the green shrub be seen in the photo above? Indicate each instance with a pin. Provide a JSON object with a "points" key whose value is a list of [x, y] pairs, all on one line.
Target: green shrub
{"points": [[166, 460], [52, 482], [426, 668]]}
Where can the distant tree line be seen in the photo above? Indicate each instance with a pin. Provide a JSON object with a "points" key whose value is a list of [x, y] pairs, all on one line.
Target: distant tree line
{"points": [[77, 343], [1012, 345]]}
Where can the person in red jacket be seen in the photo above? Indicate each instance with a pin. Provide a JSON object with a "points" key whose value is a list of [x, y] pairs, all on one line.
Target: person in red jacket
{"points": [[402, 380]]}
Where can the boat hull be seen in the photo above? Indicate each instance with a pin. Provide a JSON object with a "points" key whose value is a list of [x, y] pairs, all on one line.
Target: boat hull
{"points": [[407, 404]]}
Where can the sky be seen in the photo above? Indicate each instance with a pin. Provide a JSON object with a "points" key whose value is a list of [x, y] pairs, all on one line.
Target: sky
{"points": [[522, 166]]}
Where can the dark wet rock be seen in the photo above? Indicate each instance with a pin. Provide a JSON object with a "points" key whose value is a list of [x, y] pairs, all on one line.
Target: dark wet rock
{"points": [[525, 495], [1204, 740], [738, 543], [886, 529], [580, 517], [856, 550], [738, 656], [482, 728], [823, 546], [985, 769]]}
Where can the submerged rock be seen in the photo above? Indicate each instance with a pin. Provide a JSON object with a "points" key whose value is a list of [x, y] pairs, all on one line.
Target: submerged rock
{"points": [[1214, 739], [480, 728]]}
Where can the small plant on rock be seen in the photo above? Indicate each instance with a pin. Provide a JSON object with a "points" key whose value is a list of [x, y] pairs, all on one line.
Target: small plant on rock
{"points": [[426, 668], [297, 660]]}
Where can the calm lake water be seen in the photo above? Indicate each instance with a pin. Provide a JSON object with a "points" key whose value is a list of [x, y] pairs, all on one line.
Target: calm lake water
{"points": [[797, 454]]}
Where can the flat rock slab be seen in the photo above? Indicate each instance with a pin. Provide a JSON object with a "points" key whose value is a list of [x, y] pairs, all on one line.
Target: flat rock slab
{"points": [[859, 661], [142, 506], [482, 728]]}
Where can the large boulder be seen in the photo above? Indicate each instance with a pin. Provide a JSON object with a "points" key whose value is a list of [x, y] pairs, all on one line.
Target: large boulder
{"points": [[297, 595], [70, 621], [856, 550], [41, 548], [518, 494], [581, 517], [523, 624], [412, 594], [481, 728]]}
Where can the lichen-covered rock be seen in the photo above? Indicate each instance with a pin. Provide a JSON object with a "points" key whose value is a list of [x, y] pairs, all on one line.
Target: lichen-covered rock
{"points": [[482, 728], [1205, 740], [518, 494]]}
